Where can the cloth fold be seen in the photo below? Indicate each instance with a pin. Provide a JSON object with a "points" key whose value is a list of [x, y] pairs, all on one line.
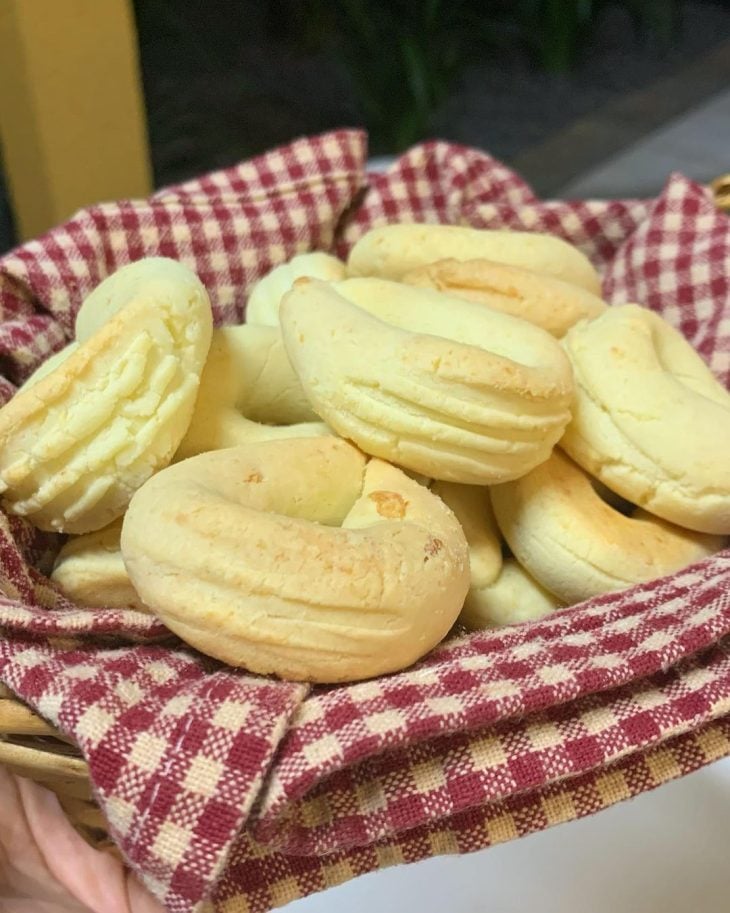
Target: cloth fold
{"points": [[226, 791]]}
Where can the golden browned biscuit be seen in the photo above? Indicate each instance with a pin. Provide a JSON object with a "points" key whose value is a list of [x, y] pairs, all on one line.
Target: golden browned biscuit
{"points": [[550, 303], [263, 303], [248, 392], [391, 251], [576, 545], [296, 558], [90, 570], [75, 445], [439, 385], [650, 420]]}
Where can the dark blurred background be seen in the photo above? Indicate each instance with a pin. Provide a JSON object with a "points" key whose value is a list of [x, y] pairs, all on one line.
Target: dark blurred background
{"points": [[554, 87]]}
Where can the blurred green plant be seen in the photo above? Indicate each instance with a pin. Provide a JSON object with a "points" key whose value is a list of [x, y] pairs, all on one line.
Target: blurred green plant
{"points": [[558, 32], [404, 58]]}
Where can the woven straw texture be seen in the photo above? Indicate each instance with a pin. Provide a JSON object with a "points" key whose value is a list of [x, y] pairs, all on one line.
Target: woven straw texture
{"points": [[227, 792]]}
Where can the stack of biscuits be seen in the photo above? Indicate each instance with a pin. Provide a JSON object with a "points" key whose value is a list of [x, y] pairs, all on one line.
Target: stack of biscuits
{"points": [[452, 425]]}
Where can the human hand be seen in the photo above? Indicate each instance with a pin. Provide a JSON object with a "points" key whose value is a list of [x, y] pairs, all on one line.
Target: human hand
{"points": [[46, 867]]}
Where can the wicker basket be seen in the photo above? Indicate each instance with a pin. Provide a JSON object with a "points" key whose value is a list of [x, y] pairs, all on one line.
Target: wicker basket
{"points": [[721, 188], [31, 747]]}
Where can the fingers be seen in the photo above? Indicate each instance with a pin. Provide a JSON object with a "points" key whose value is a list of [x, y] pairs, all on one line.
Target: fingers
{"points": [[47, 867], [23, 872], [139, 899], [93, 879]]}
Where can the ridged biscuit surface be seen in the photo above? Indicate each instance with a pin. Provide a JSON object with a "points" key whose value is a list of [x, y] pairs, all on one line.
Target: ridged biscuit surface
{"points": [[77, 444], [298, 559], [439, 385]]}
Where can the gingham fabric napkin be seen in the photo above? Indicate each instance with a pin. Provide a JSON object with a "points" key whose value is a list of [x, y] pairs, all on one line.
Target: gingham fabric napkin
{"points": [[227, 792]]}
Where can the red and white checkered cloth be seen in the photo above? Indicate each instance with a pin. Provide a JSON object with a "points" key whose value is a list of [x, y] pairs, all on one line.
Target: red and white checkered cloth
{"points": [[228, 792]]}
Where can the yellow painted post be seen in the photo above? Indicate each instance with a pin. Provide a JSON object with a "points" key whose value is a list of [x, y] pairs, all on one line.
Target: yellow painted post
{"points": [[72, 121]]}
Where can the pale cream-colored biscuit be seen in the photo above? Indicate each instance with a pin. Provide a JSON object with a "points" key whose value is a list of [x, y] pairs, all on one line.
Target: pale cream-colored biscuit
{"points": [[441, 386], [550, 303], [248, 389], [77, 444], [248, 392], [391, 251], [500, 592], [263, 302], [296, 558], [473, 509], [514, 597], [161, 281], [90, 570], [576, 545], [650, 420]]}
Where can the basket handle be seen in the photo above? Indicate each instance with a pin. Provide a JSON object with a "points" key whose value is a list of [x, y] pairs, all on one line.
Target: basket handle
{"points": [[721, 189]]}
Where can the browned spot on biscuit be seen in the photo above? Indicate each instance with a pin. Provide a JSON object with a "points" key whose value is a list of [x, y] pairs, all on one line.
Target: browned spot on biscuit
{"points": [[254, 476], [389, 504], [508, 291], [433, 546], [302, 280]]}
